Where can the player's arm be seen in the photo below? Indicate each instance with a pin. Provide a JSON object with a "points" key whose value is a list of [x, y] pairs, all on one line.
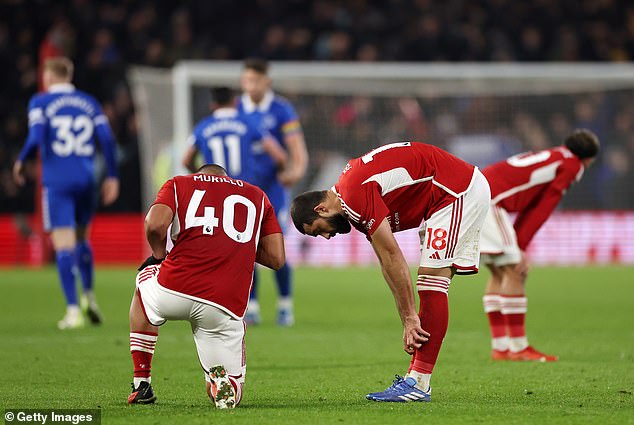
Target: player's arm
{"points": [[529, 221], [397, 275], [298, 155], [110, 185], [275, 151], [35, 137], [157, 222], [270, 251], [189, 158]]}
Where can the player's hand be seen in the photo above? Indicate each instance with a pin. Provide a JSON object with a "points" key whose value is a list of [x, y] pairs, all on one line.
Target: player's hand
{"points": [[150, 261], [109, 190], [413, 335], [18, 173], [289, 177], [522, 267]]}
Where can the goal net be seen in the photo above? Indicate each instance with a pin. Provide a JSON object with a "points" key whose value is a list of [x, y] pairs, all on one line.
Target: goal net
{"points": [[481, 113]]}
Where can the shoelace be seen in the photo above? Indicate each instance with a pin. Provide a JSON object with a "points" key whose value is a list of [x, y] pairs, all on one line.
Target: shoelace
{"points": [[396, 383]]}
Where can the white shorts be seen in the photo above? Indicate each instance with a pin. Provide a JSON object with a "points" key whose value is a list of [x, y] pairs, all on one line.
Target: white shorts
{"points": [[219, 337], [499, 241], [451, 236]]}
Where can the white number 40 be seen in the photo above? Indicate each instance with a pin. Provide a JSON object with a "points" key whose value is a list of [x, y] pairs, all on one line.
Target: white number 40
{"points": [[209, 221]]}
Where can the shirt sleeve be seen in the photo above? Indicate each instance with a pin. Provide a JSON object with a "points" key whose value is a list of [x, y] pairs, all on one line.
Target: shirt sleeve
{"points": [[167, 195], [106, 140], [290, 120], [530, 220], [37, 129], [365, 208], [270, 224]]}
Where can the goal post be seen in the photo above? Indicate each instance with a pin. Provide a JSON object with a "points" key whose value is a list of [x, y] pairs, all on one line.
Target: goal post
{"points": [[480, 112]]}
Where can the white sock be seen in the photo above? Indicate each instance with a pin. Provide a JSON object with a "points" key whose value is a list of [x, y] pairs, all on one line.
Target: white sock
{"points": [[500, 344], [137, 381], [73, 310], [285, 303], [518, 344], [422, 379], [90, 296], [253, 306]]}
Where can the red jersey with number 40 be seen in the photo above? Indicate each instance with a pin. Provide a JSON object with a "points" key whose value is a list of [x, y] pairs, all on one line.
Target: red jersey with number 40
{"points": [[532, 185], [218, 222], [406, 182]]}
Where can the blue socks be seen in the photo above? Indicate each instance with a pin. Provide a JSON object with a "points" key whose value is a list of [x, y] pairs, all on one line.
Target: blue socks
{"points": [[85, 264], [65, 267], [283, 278]]}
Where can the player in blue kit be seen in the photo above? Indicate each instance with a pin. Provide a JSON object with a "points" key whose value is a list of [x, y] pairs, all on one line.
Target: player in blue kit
{"points": [[277, 116], [63, 123], [232, 140]]}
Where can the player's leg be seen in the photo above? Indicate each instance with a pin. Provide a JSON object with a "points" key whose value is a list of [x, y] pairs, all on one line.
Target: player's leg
{"points": [[220, 344], [497, 245], [285, 313], [143, 337], [58, 214], [64, 244], [514, 309], [283, 276], [449, 245], [492, 302], [85, 265], [147, 312], [85, 208]]}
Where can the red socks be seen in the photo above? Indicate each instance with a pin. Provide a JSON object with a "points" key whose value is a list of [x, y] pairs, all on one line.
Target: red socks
{"points": [[434, 314], [142, 349]]}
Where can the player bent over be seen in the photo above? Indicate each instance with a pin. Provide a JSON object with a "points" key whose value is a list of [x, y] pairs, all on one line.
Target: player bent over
{"points": [[63, 123], [397, 187], [531, 185], [220, 228]]}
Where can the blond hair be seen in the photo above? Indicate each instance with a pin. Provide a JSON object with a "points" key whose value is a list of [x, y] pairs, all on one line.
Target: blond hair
{"points": [[61, 67]]}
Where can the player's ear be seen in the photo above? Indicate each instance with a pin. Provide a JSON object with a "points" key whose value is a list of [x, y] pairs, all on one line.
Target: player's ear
{"points": [[321, 208]]}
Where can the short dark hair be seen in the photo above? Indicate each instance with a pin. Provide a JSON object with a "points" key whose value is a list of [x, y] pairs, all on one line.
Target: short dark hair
{"points": [[222, 96], [303, 208], [213, 169], [583, 143], [258, 65]]}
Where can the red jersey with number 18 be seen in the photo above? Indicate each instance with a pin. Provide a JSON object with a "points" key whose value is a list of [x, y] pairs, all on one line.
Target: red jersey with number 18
{"points": [[532, 185], [217, 224], [406, 182]]}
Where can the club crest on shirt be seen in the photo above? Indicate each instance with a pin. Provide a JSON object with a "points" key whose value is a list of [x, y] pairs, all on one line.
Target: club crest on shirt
{"points": [[269, 121]]}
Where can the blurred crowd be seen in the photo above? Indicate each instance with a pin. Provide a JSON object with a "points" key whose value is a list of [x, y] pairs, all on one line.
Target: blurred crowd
{"points": [[103, 38]]}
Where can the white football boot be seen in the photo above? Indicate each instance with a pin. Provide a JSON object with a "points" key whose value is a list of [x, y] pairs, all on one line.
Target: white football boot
{"points": [[72, 320]]}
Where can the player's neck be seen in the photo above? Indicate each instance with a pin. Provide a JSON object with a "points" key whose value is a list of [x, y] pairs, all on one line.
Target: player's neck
{"points": [[333, 201]]}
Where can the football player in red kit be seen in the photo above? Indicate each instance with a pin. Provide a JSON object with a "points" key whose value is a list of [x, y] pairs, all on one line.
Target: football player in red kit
{"points": [[397, 187], [531, 185], [220, 228]]}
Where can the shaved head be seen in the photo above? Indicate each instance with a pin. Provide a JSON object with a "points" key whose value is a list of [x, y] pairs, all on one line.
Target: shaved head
{"points": [[212, 169]]}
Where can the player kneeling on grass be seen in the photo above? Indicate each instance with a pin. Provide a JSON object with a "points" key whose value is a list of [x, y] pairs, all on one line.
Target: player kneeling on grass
{"points": [[397, 187], [531, 185], [220, 228]]}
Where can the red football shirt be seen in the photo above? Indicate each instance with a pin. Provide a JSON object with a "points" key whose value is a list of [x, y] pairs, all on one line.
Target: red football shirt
{"points": [[217, 224], [406, 182], [532, 185]]}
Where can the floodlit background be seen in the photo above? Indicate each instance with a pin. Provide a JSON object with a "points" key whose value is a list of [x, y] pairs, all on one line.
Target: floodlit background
{"points": [[352, 100]]}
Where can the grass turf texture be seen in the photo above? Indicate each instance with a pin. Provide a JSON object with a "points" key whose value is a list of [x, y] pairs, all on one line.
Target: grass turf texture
{"points": [[346, 343]]}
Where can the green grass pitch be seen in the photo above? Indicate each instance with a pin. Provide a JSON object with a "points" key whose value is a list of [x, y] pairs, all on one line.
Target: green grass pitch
{"points": [[346, 343]]}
